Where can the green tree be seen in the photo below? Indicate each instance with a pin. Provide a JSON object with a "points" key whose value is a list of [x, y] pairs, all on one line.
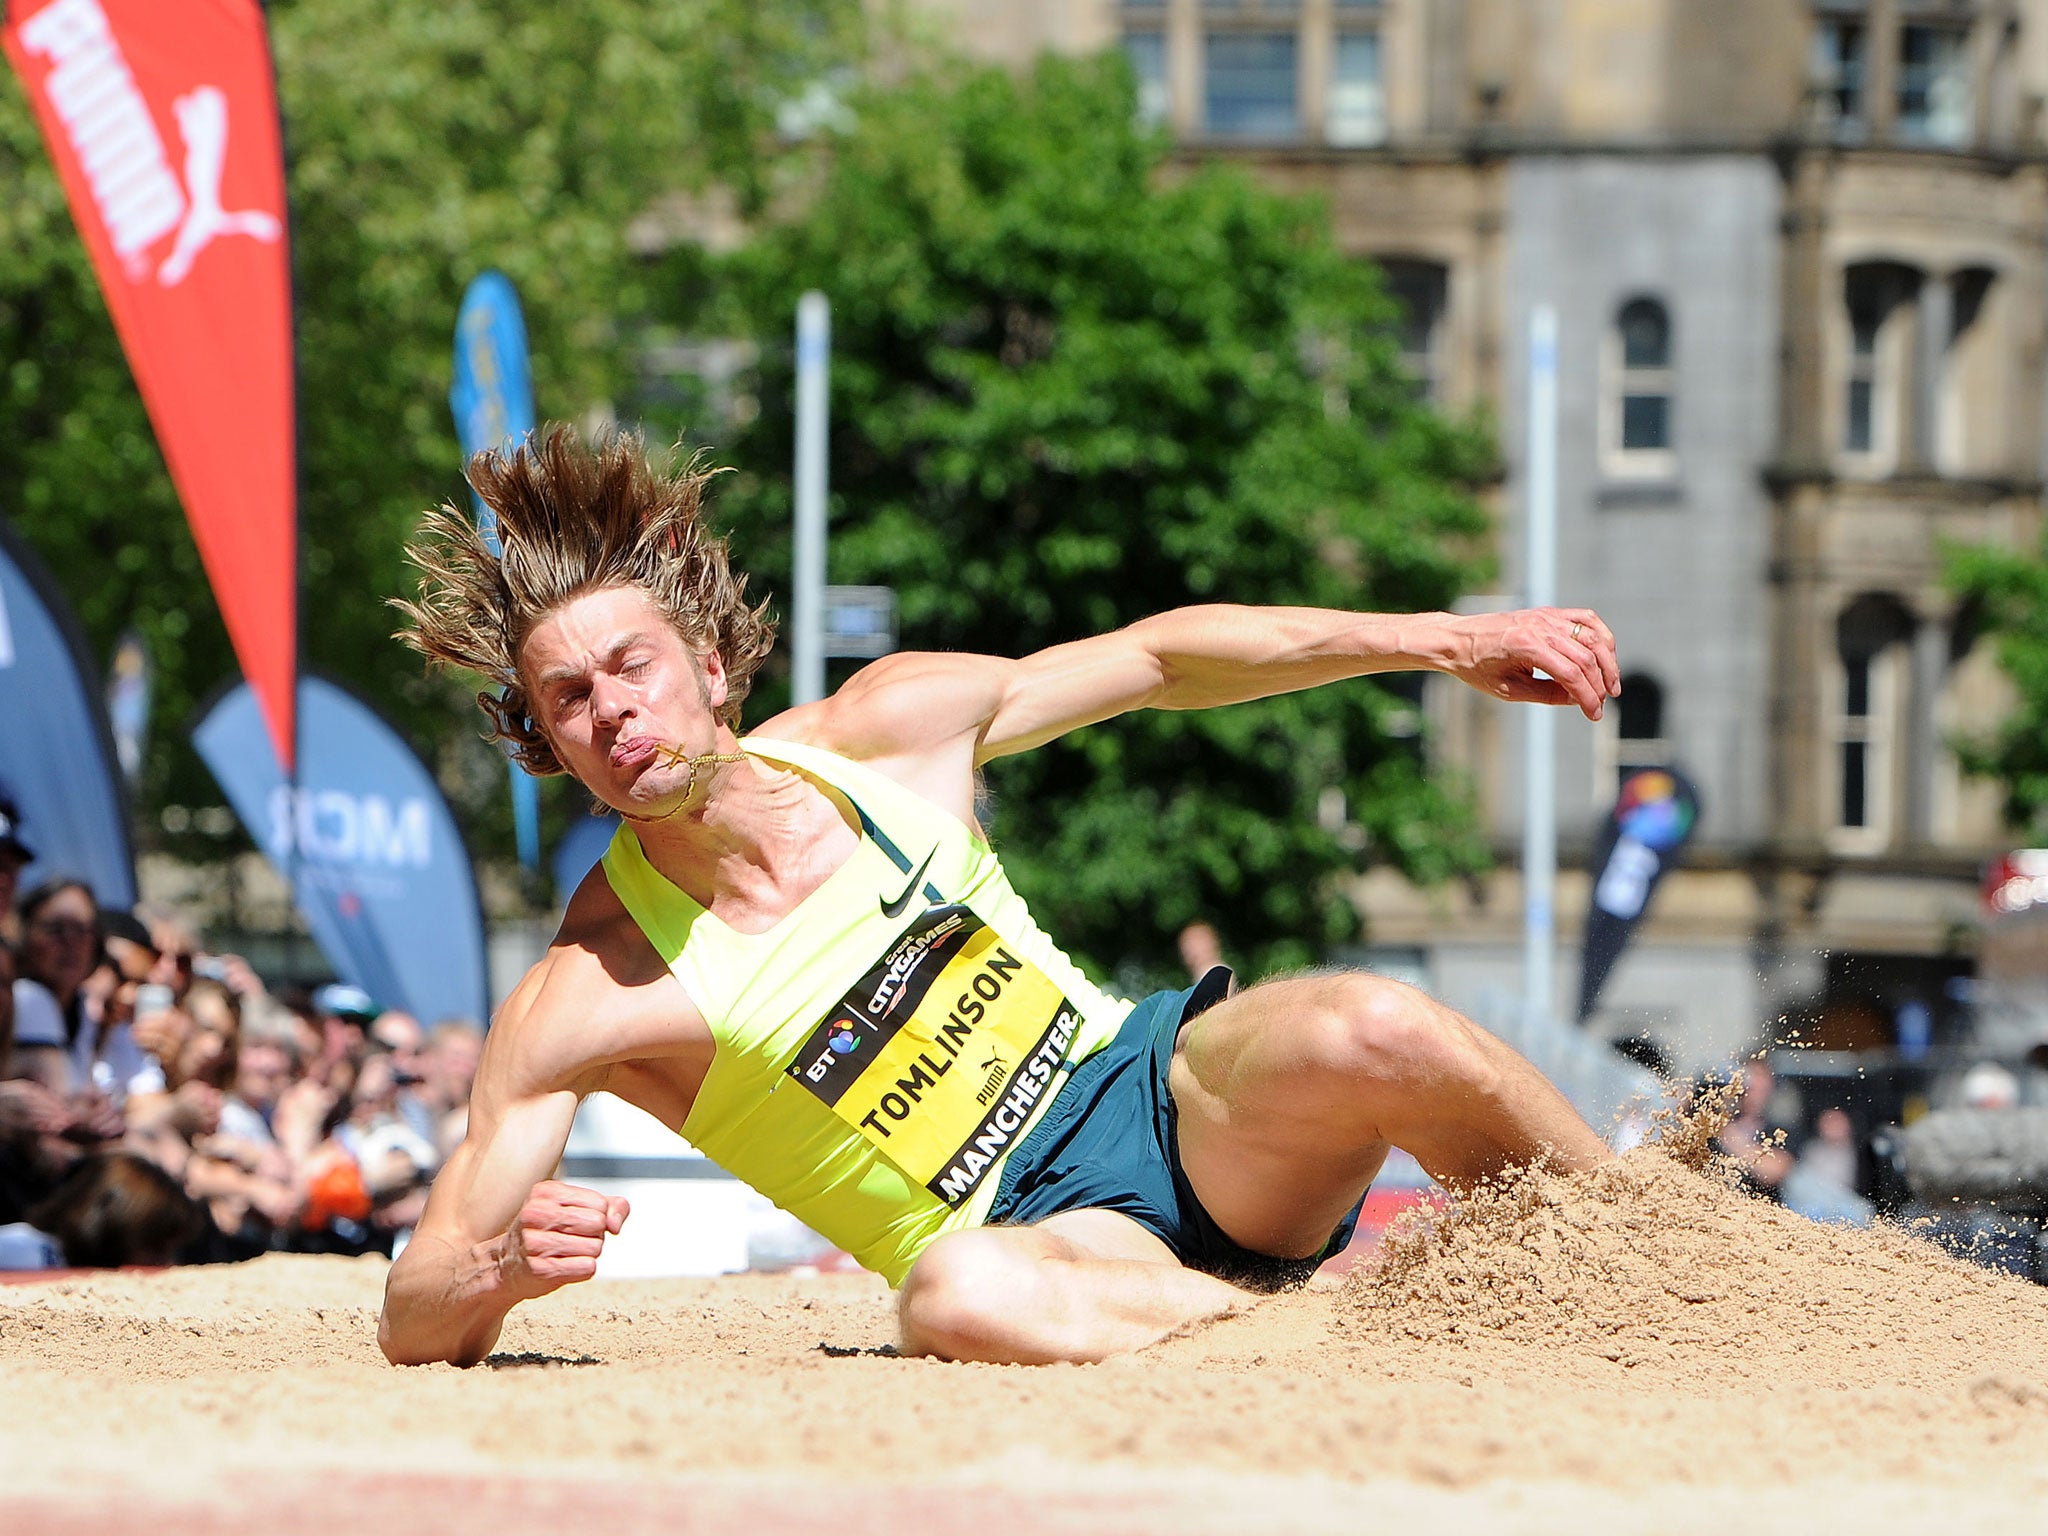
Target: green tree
{"points": [[2009, 589], [1074, 384], [426, 143]]}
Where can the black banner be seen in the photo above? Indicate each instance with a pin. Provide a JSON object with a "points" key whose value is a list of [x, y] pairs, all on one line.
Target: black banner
{"points": [[1653, 820]]}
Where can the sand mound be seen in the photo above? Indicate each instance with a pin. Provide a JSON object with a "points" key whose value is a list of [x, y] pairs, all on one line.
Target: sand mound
{"points": [[1646, 1259]]}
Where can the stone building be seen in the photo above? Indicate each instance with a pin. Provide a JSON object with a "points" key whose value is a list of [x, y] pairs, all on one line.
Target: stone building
{"points": [[1796, 250]]}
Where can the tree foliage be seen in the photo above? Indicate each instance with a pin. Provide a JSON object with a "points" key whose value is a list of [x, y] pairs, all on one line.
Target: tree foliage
{"points": [[425, 143], [2010, 591], [1073, 385]]}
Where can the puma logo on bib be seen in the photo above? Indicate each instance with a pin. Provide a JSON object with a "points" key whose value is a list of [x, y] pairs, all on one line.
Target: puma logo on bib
{"points": [[940, 1053]]}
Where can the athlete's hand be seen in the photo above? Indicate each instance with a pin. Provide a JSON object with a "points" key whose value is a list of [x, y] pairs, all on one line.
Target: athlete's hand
{"points": [[1501, 653], [556, 1238]]}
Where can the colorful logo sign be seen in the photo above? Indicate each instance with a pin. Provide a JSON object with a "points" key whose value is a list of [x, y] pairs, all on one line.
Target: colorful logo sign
{"points": [[1654, 810]]}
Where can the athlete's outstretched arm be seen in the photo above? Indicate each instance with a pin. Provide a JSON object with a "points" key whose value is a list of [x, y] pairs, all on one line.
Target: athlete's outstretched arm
{"points": [[496, 1230], [1196, 658]]}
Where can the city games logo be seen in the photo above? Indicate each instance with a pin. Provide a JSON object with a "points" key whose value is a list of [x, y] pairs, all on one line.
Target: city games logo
{"points": [[141, 201]]}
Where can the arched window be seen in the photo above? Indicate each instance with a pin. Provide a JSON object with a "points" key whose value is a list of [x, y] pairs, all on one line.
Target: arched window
{"points": [[1633, 735], [1641, 383], [1881, 298], [1869, 693], [1971, 387]]}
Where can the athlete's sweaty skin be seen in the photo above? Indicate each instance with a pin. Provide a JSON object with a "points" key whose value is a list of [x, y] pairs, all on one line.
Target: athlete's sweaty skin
{"points": [[1288, 1094]]}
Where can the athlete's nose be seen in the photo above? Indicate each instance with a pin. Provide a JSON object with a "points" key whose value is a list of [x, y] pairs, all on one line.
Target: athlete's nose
{"points": [[611, 701]]}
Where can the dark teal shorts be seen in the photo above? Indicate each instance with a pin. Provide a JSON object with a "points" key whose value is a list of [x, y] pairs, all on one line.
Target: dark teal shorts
{"points": [[1110, 1142]]}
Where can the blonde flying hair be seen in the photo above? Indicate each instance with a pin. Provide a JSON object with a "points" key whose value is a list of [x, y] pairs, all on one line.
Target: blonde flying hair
{"points": [[572, 519]]}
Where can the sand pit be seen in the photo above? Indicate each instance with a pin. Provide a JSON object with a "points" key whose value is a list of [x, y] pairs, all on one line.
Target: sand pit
{"points": [[1641, 1347]]}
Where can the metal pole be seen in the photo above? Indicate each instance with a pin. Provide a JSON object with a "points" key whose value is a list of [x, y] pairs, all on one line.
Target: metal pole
{"points": [[807, 597], [1539, 811]]}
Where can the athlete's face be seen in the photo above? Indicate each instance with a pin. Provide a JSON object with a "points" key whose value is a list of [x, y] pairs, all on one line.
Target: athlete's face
{"points": [[611, 682]]}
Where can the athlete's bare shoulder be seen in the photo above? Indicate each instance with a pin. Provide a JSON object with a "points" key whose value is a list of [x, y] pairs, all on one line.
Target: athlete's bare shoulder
{"points": [[600, 997], [915, 717]]}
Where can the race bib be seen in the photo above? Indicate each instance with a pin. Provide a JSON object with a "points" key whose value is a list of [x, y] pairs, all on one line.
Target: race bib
{"points": [[941, 1052]]}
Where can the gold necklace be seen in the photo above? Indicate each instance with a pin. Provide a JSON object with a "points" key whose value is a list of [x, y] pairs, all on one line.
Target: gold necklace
{"points": [[675, 757]]}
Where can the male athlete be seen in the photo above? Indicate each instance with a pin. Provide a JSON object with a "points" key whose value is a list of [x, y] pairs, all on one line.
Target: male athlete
{"points": [[801, 953]]}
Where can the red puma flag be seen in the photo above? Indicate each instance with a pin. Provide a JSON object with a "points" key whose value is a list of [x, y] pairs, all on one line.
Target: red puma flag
{"points": [[161, 116]]}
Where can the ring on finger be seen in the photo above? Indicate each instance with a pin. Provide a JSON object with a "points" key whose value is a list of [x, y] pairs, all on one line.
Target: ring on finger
{"points": [[1576, 627]]}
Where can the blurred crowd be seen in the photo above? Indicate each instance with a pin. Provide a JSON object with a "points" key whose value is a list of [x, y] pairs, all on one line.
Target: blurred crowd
{"points": [[159, 1103]]}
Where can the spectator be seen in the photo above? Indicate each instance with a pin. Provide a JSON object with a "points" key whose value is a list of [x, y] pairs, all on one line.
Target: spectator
{"points": [[1830, 1154], [454, 1048], [127, 944], [1987, 1085], [119, 1065], [54, 1041], [394, 1162], [34, 1151], [6, 1008], [1201, 949], [264, 1068], [210, 1052], [399, 1036], [175, 947], [117, 1209], [15, 855], [245, 1177], [1821, 1183], [1752, 1138]]}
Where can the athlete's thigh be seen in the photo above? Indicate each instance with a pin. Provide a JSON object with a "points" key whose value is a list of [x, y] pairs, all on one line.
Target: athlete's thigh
{"points": [[1274, 1133], [1094, 1233]]}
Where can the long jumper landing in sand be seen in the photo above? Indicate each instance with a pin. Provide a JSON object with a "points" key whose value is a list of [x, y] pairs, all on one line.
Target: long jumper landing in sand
{"points": [[802, 953]]}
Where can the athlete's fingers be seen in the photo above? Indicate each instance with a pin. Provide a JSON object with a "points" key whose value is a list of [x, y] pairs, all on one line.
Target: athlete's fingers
{"points": [[1590, 630], [574, 1197], [569, 1194], [553, 1243], [562, 1271], [1570, 673], [545, 1215], [616, 1210], [1521, 688], [1588, 659], [568, 1221]]}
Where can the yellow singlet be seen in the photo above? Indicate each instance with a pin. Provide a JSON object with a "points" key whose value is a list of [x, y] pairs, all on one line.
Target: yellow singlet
{"points": [[882, 1049]]}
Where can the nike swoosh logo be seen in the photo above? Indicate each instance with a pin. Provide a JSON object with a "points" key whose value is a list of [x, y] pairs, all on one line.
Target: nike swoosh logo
{"points": [[895, 908]]}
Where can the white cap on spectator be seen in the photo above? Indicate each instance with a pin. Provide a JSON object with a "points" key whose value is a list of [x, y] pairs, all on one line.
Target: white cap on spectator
{"points": [[345, 1001]]}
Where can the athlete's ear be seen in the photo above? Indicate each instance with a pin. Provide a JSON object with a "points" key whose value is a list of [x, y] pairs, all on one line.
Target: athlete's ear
{"points": [[716, 686]]}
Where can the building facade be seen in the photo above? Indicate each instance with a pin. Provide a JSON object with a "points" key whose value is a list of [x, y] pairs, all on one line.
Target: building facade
{"points": [[1796, 249]]}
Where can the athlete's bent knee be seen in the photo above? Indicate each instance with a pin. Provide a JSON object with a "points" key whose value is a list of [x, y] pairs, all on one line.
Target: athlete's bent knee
{"points": [[1390, 1032], [961, 1297]]}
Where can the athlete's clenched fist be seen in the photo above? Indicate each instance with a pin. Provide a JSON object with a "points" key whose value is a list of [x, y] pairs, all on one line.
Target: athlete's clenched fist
{"points": [[556, 1238]]}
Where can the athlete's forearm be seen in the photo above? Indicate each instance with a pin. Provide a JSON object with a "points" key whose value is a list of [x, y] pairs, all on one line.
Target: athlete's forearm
{"points": [[443, 1301], [1226, 654]]}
